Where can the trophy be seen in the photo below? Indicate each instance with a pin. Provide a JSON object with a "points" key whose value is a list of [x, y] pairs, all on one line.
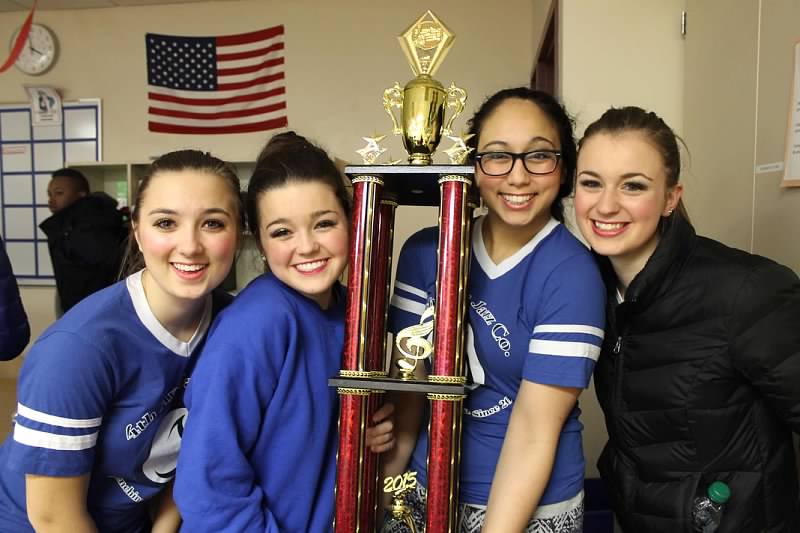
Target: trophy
{"points": [[423, 100], [362, 381]]}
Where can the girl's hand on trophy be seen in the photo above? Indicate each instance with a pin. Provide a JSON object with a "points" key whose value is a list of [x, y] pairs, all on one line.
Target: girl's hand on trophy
{"points": [[380, 437]]}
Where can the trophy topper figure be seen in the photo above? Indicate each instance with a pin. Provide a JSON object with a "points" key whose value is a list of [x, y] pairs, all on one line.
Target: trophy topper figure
{"points": [[426, 43], [423, 100]]}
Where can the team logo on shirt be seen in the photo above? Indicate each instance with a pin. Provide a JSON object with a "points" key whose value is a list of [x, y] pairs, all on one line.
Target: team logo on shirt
{"points": [[129, 490], [498, 330], [160, 465], [132, 431], [504, 403]]}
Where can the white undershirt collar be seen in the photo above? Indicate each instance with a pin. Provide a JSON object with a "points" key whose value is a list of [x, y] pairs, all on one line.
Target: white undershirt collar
{"points": [[149, 320], [494, 271]]}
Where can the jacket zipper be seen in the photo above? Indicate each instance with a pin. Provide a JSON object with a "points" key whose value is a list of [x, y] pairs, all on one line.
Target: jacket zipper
{"points": [[618, 364], [619, 377]]}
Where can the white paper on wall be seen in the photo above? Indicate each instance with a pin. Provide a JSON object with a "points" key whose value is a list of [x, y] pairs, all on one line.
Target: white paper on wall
{"points": [[791, 172]]}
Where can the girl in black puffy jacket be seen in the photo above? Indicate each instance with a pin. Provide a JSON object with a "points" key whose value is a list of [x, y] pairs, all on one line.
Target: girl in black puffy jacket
{"points": [[699, 376]]}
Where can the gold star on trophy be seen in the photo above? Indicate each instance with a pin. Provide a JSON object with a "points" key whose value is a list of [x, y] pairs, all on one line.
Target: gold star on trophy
{"points": [[372, 151], [459, 151]]}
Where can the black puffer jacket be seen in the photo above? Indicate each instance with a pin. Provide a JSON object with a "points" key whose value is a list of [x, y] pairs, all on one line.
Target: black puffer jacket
{"points": [[699, 380], [86, 242]]}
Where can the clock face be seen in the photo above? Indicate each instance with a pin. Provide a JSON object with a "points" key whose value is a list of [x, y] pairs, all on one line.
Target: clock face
{"points": [[38, 51]]}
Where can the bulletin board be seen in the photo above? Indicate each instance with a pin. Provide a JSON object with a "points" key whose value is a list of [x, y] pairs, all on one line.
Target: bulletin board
{"points": [[28, 154]]}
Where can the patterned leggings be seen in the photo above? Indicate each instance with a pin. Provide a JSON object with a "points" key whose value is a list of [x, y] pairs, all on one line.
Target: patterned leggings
{"points": [[471, 517]]}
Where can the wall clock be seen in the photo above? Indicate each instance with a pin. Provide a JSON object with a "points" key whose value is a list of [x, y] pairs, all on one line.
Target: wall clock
{"points": [[39, 51]]}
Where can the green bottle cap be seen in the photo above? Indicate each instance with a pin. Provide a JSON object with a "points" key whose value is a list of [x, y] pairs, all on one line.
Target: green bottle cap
{"points": [[719, 492]]}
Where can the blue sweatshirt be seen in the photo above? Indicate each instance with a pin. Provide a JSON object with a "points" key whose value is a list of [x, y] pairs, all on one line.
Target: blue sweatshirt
{"points": [[259, 447]]}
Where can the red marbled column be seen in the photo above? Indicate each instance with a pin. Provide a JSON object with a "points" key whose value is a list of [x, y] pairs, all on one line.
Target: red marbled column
{"points": [[445, 422], [349, 458], [379, 285], [376, 348], [445, 431], [366, 192], [353, 413], [451, 254]]}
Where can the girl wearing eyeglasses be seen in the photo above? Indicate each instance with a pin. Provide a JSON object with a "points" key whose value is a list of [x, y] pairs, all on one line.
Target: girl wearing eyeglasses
{"points": [[535, 327]]}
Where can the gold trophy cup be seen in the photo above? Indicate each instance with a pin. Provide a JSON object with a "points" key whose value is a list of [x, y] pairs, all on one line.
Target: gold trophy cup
{"points": [[423, 100]]}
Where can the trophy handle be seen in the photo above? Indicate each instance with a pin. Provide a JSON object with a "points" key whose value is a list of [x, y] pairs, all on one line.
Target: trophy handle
{"points": [[456, 98], [393, 97]]}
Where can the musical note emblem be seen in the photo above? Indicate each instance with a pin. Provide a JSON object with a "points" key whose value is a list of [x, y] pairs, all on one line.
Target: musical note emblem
{"points": [[413, 344]]}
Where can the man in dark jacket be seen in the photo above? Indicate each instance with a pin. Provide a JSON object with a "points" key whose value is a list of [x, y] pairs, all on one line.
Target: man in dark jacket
{"points": [[14, 329], [85, 236]]}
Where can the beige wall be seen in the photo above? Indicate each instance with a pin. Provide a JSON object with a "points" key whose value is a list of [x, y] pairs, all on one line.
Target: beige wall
{"points": [[721, 52], [776, 211], [339, 57], [621, 52], [738, 81]]}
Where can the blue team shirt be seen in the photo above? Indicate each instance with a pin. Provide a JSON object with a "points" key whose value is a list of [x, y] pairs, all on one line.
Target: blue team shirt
{"points": [[101, 393], [259, 451], [538, 316]]}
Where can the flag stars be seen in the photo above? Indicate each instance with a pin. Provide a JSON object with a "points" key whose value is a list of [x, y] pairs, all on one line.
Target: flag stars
{"points": [[182, 63]]}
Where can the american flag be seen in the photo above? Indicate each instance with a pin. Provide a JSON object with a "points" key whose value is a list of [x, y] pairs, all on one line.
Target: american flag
{"points": [[229, 84]]}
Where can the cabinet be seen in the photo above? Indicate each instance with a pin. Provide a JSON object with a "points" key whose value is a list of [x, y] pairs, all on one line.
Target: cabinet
{"points": [[121, 180]]}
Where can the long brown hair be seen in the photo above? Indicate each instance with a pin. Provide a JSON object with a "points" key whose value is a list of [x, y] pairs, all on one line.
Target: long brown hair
{"points": [[201, 162]]}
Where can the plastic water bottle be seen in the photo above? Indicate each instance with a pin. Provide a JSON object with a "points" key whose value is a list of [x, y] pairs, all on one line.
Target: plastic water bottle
{"points": [[707, 509]]}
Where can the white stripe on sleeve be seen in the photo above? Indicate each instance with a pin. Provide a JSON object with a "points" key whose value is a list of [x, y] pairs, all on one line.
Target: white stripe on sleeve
{"points": [[408, 305], [44, 418], [569, 328], [410, 289], [565, 349], [51, 441]]}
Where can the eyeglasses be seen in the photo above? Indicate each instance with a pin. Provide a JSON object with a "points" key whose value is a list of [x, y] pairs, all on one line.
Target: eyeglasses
{"points": [[501, 163]]}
